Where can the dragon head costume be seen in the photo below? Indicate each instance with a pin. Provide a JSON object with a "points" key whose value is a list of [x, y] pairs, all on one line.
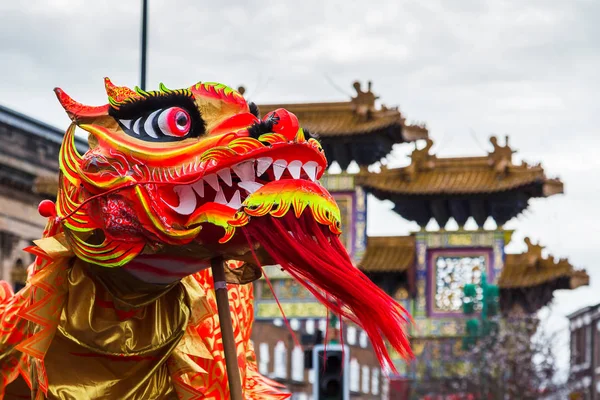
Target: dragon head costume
{"points": [[171, 180]]}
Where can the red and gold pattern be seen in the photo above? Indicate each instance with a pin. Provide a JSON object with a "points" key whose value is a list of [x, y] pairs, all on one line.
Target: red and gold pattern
{"points": [[120, 285]]}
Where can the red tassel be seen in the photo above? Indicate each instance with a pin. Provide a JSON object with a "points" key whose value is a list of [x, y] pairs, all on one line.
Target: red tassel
{"points": [[316, 258]]}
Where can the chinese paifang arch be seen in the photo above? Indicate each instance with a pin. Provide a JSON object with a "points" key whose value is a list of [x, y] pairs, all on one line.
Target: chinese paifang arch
{"points": [[120, 301]]}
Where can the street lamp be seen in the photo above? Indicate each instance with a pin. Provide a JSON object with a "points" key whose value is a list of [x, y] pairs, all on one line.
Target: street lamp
{"points": [[144, 43]]}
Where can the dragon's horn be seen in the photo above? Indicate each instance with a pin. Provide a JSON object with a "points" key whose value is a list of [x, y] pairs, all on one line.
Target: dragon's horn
{"points": [[118, 95], [76, 110]]}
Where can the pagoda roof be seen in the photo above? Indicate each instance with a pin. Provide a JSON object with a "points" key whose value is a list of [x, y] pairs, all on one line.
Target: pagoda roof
{"points": [[460, 187], [529, 279], [389, 262], [531, 269], [354, 130], [388, 254]]}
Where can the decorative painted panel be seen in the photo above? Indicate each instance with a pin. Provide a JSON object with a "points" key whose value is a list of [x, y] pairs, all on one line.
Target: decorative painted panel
{"points": [[352, 201], [345, 201], [288, 289], [421, 276], [460, 239], [285, 290], [499, 243], [448, 271], [270, 310], [450, 274], [338, 182], [360, 224]]}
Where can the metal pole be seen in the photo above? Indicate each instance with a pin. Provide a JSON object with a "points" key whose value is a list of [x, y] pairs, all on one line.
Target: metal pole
{"points": [[144, 42], [233, 373]]}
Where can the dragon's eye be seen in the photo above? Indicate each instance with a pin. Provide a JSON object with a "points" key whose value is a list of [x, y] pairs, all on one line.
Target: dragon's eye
{"points": [[163, 125], [174, 121]]}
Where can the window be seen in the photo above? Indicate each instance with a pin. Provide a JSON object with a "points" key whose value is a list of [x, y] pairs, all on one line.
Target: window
{"points": [[280, 361], [597, 349], [580, 345], [581, 340], [18, 275], [322, 324], [574, 347], [451, 274], [351, 335], [588, 344], [298, 364], [375, 381], [263, 361], [294, 324], [354, 376], [366, 372], [310, 326], [363, 340]]}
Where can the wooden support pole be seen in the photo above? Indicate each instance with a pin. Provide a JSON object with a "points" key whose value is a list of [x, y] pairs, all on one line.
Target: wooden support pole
{"points": [[231, 360]]}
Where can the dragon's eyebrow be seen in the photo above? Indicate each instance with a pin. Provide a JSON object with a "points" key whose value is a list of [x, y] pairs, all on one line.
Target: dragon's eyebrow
{"points": [[152, 101]]}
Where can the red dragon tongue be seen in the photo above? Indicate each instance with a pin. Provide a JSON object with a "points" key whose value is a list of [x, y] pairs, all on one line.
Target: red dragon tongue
{"points": [[316, 258]]}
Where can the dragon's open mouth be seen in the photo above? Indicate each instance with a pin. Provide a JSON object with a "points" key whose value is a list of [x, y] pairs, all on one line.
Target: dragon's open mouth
{"points": [[231, 186], [271, 182]]}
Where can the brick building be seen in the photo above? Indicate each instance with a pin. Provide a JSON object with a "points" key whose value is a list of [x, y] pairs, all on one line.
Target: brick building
{"points": [[280, 359], [585, 353]]}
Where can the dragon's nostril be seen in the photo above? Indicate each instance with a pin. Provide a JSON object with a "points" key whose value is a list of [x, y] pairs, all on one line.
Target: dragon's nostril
{"points": [[284, 122]]}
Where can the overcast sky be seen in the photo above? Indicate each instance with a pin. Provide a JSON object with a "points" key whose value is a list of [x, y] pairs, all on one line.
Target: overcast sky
{"points": [[468, 68]]}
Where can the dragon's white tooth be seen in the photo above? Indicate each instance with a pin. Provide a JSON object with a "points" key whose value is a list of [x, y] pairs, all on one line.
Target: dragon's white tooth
{"points": [[311, 169], [213, 181], [294, 168], [199, 188], [245, 170], [236, 200], [249, 186], [262, 164], [225, 174], [126, 122], [220, 198], [278, 168], [136, 126], [187, 200], [148, 125]]}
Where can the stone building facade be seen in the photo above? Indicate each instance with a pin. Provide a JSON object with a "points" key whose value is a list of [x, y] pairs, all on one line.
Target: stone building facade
{"points": [[29, 151]]}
